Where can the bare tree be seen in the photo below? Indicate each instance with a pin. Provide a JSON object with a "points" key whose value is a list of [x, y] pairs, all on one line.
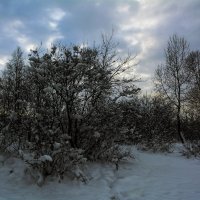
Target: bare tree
{"points": [[171, 79], [193, 68]]}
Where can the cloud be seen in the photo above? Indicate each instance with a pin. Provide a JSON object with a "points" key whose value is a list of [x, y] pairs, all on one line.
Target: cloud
{"points": [[3, 61], [56, 14], [142, 27], [14, 30], [152, 26]]}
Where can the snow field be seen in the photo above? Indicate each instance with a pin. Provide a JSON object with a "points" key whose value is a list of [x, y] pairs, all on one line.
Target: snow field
{"points": [[148, 177]]}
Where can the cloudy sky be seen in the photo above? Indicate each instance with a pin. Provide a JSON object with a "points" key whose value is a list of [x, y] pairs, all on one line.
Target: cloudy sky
{"points": [[141, 27]]}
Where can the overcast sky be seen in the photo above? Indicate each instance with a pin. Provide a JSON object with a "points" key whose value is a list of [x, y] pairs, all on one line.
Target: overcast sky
{"points": [[141, 27]]}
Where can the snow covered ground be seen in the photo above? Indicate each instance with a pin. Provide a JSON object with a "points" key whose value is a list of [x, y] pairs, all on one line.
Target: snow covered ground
{"points": [[148, 177]]}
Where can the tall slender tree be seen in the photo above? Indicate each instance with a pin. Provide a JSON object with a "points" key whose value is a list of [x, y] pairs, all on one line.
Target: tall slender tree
{"points": [[171, 79], [13, 92]]}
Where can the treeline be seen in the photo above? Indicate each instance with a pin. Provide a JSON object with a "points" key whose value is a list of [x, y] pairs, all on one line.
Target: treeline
{"points": [[67, 105]]}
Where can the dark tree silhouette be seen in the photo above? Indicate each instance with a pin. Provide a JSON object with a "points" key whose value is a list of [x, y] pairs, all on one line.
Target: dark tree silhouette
{"points": [[171, 79]]}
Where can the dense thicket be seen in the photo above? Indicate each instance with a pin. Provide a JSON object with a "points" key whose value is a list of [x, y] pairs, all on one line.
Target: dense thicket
{"points": [[66, 105], [58, 110]]}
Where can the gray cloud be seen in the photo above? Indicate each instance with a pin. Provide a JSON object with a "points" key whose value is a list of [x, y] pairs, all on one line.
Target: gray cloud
{"points": [[141, 26]]}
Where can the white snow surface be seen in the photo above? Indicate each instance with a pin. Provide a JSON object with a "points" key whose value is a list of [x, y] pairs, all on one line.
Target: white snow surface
{"points": [[149, 176], [45, 158]]}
